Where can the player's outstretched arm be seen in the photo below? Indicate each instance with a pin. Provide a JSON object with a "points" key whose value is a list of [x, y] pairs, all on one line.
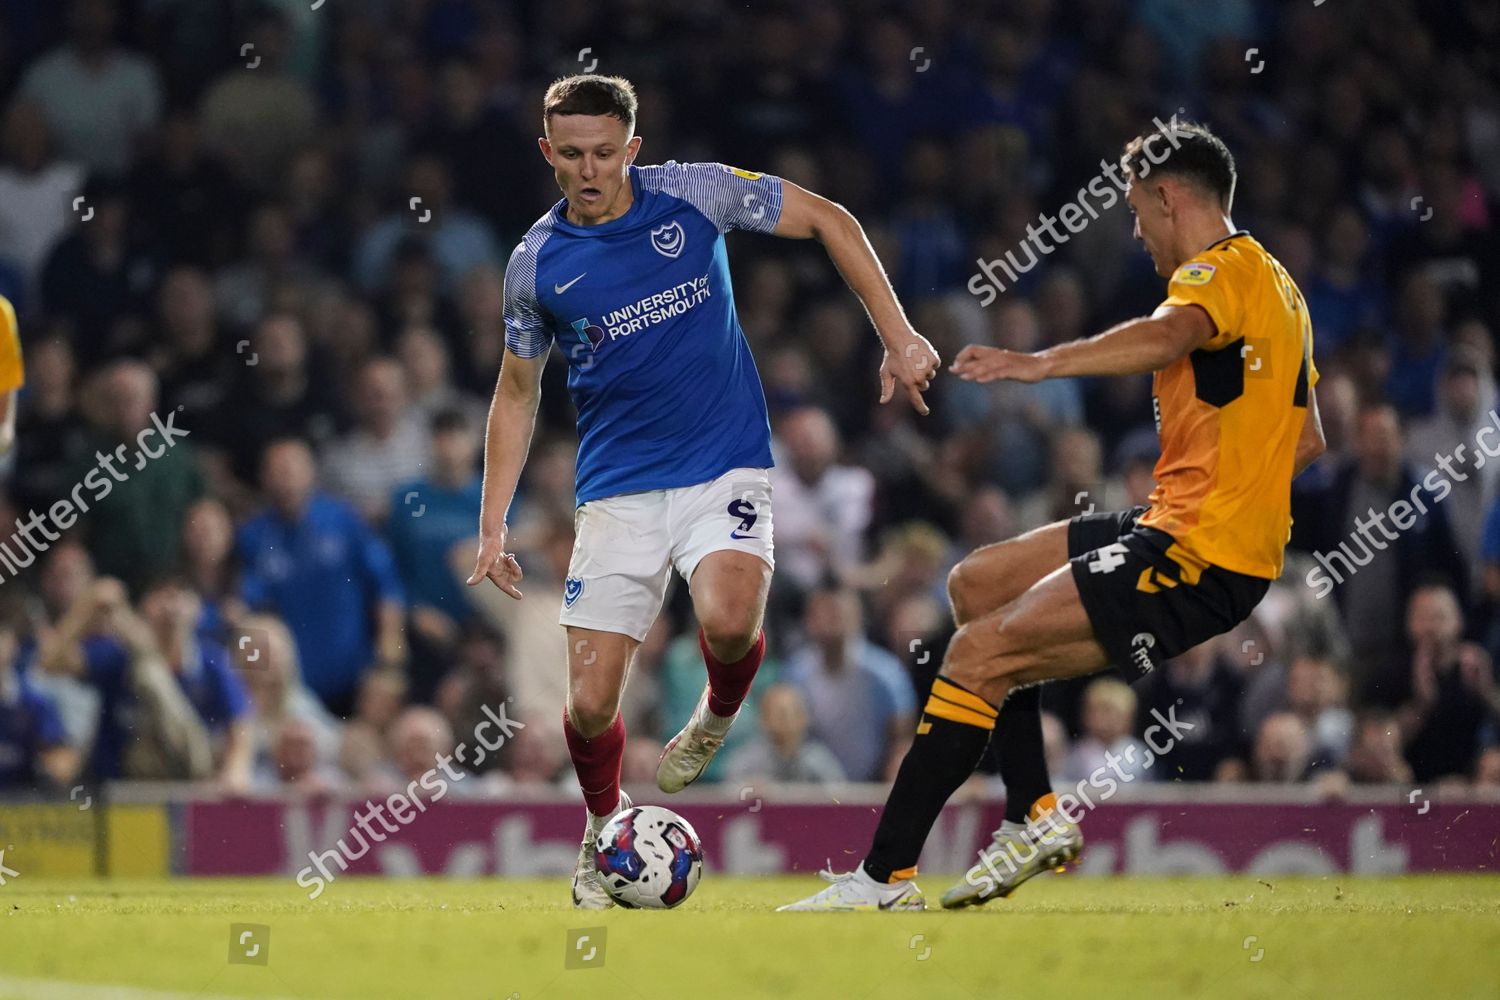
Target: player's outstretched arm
{"points": [[1134, 347], [507, 438], [1311, 444], [909, 358]]}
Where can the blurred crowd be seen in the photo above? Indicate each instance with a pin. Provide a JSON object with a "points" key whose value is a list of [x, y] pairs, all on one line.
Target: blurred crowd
{"points": [[285, 229]]}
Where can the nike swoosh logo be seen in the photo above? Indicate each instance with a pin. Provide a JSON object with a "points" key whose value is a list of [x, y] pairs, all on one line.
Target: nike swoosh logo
{"points": [[559, 289], [736, 534]]}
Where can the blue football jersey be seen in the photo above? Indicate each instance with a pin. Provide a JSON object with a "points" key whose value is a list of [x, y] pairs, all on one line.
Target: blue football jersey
{"points": [[666, 390]]}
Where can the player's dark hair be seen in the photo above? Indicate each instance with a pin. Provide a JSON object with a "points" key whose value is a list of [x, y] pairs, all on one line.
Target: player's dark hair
{"points": [[1187, 150], [591, 94]]}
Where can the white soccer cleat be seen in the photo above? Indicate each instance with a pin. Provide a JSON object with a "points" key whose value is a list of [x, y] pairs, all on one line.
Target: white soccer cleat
{"points": [[588, 888], [684, 759], [1011, 858], [852, 892]]}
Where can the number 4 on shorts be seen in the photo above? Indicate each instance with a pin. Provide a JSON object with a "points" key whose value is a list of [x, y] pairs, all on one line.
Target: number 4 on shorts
{"points": [[1108, 559]]}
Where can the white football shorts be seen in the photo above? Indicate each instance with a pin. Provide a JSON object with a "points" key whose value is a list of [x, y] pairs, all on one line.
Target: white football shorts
{"points": [[625, 547]]}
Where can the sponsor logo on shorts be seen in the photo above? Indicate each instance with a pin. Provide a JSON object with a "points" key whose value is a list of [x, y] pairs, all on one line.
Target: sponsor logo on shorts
{"points": [[1141, 645], [746, 512], [572, 590]]}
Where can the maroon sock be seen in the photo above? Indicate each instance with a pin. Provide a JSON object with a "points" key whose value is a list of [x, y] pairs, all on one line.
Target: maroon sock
{"points": [[597, 763], [728, 683]]}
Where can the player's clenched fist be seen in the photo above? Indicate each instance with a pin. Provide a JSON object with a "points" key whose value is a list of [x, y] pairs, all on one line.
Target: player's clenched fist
{"points": [[497, 565], [987, 364], [913, 362]]}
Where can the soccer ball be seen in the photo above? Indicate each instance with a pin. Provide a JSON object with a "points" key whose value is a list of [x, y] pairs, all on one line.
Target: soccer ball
{"points": [[649, 858]]}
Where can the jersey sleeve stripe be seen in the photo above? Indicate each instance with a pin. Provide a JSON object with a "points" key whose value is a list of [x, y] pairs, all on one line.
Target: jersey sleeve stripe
{"points": [[729, 198], [527, 333]]}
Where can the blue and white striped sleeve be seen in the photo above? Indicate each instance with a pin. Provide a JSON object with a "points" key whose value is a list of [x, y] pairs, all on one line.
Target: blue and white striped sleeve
{"points": [[527, 333], [729, 197]]}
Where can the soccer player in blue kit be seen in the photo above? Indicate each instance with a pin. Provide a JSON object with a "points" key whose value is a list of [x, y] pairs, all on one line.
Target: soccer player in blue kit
{"points": [[628, 274]]}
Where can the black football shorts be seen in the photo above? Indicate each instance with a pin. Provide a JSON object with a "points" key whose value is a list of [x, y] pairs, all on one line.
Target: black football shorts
{"points": [[1142, 609]]}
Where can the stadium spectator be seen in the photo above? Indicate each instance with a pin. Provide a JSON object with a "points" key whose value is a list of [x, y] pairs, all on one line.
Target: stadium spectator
{"points": [[310, 558], [1420, 346], [99, 277], [458, 240], [50, 434], [859, 701], [36, 196], [186, 202], [480, 679], [1375, 574], [1013, 422], [34, 746], [147, 727], [190, 360], [1343, 295], [822, 507], [256, 121], [280, 393], [101, 101], [1466, 399], [66, 576], [295, 763], [1452, 697], [248, 289], [1316, 693], [783, 751], [1283, 750], [911, 563], [431, 515], [207, 550], [1109, 707], [134, 527], [1077, 483], [388, 446], [1200, 688], [265, 655], [1375, 756], [419, 743], [172, 611], [424, 359]]}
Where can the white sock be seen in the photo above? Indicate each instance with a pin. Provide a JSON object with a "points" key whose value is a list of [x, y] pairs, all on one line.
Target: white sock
{"points": [[714, 725]]}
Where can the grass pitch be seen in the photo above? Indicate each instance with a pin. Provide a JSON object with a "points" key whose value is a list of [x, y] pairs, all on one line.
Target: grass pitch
{"points": [[1061, 936]]}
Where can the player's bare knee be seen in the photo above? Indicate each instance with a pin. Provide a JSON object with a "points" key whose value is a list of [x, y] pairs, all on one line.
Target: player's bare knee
{"points": [[730, 637], [591, 716], [730, 628], [958, 593]]}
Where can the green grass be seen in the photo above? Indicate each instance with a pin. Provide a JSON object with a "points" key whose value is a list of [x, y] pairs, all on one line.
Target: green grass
{"points": [[1066, 936]]}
